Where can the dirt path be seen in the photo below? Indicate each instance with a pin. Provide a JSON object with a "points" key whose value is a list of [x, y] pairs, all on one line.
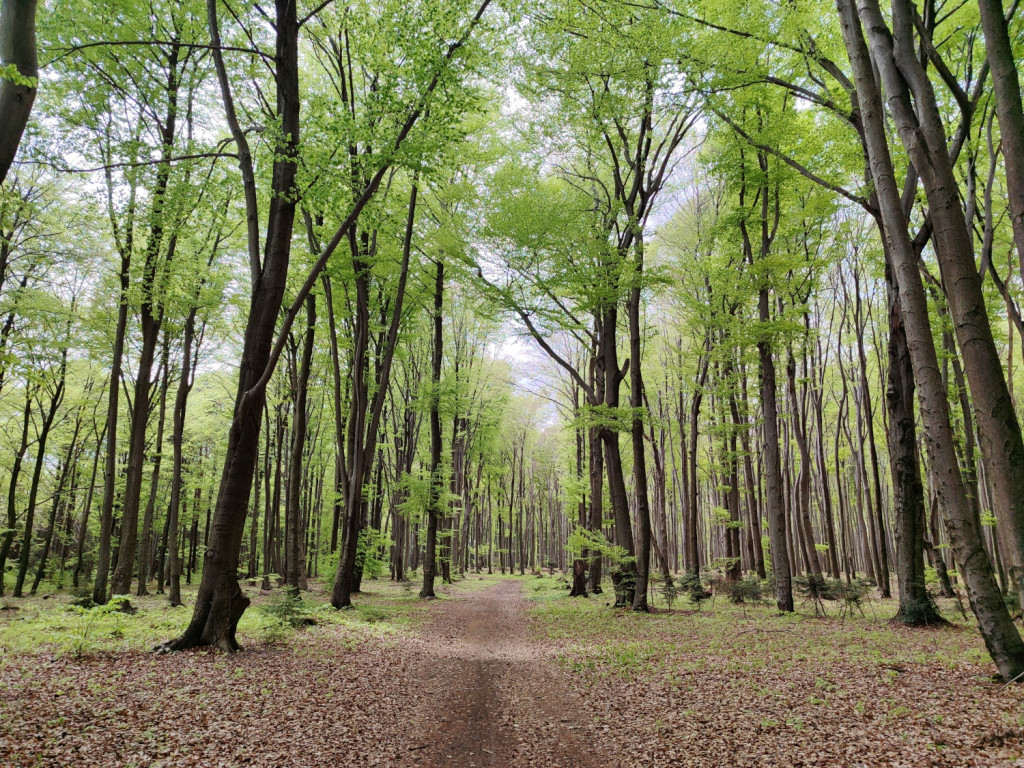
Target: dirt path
{"points": [[495, 695], [473, 687]]}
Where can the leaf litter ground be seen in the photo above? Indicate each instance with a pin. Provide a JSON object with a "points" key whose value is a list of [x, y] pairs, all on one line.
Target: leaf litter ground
{"points": [[490, 676]]}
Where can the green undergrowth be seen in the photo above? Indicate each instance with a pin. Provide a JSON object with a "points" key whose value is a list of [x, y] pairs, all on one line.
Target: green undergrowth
{"points": [[600, 640], [49, 622]]}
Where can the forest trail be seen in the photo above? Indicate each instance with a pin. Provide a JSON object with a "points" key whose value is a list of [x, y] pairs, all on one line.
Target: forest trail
{"points": [[497, 698], [485, 677]]}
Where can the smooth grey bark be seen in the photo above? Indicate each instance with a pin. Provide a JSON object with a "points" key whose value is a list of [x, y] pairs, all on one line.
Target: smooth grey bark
{"points": [[1000, 635], [1006, 84], [912, 104]]}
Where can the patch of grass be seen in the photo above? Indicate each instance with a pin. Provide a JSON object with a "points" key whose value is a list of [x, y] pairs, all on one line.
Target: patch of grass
{"points": [[747, 638], [55, 626], [51, 624]]}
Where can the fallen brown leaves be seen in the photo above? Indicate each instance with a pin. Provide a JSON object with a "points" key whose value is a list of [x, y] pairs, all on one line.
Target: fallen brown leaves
{"points": [[484, 683], [314, 704], [754, 701]]}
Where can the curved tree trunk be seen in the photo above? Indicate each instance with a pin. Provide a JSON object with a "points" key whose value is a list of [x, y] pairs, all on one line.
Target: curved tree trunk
{"points": [[912, 103], [220, 602], [1000, 635]]}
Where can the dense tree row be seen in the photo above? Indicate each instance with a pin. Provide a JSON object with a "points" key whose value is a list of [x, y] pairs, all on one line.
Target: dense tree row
{"points": [[261, 270]]}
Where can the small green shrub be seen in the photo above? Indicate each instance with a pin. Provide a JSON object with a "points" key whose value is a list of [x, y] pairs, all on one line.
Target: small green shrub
{"points": [[371, 553], [693, 587], [288, 610], [748, 590]]}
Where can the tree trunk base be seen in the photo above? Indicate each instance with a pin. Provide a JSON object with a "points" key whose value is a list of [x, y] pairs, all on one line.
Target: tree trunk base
{"points": [[214, 622], [920, 613], [579, 579]]}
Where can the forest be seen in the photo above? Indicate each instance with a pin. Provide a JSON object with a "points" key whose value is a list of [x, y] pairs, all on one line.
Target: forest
{"points": [[345, 344]]}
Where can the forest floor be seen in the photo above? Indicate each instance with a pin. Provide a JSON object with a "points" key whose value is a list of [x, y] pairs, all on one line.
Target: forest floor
{"points": [[499, 672]]}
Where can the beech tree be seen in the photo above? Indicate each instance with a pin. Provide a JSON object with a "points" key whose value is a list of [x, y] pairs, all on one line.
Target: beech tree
{"points": [[302, 296]]}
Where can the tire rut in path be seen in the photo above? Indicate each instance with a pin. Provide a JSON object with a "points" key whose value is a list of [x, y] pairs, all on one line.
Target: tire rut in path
{"points": [[491, 695]]}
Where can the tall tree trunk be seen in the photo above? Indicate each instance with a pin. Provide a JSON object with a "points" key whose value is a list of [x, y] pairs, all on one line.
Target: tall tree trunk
{"points": [[596, 465], [826, 491], [99, 588], [692, 552], [220, 601], [579, 565], [912, 103], [83, 526], [916, 606], [774, 502], [366, 414], [636, 401], [1000, 635], [33, 493], [434, 502], [875, 530], [66, 470], [12, 486], [294, 538], [803, 482], [173, 567], [1006, 84], [596, 512], [339, 418], [146, 545], [626, 574], [151, 318]]}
